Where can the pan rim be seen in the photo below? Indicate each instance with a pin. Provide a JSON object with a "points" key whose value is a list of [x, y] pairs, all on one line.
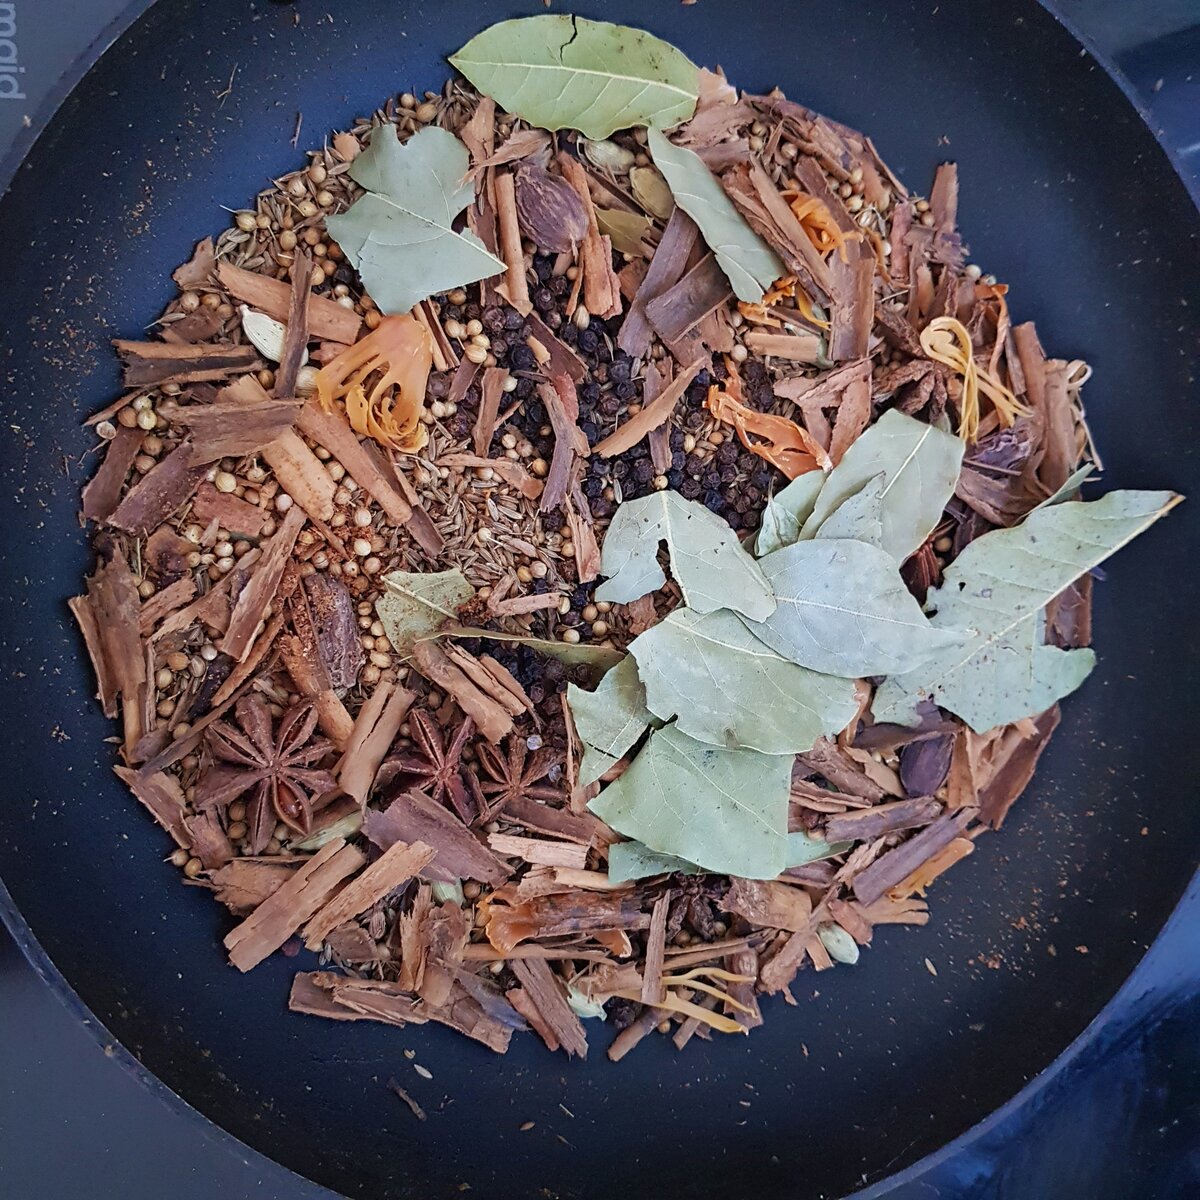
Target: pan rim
{"points": [[57, 983]]}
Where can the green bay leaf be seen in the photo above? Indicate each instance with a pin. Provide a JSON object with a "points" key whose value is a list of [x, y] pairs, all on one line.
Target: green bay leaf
{"points": [[785, 513], [632, 860], [415, 605], [400, 235], [625, 229], [707, 560], [803, 848], [859, 517], [559, 71], [920, 464], [610, 719], [842, 609], [724, 810], [726, 688], [749, 263], [998, 588], [597, 659]]}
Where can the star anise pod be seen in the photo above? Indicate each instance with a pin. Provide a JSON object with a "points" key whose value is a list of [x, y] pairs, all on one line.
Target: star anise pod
{"points": [[433, 765], [277, 763], [516, 773]]}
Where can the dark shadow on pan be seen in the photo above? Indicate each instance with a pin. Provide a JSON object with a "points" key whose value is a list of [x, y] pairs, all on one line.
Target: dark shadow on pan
{"points": [[1066, 196]]}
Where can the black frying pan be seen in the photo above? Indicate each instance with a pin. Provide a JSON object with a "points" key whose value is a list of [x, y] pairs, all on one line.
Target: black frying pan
{"points": [[1066, 195]]}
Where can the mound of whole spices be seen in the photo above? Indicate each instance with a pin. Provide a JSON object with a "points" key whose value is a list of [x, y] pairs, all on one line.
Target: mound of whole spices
{"points": [[587, 546]]}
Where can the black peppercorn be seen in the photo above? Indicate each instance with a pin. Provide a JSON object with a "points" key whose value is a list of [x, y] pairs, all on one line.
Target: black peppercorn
{"points": [[619, 371], [560, 285], [588, 341], [711, 478], [728, 473], [643, 471], [626, 391], [543, 299], [674, 479], [522, 359], [543, 267], [513, 319]]}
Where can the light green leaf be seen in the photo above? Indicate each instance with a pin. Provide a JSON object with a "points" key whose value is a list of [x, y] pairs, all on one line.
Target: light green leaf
{"points": [[610, 719], [842, 609], [728, 689], [1068, 489], [839, 945], [997, 588], [724, 810], [709, 564], [785, 514], [859, 517], [400, 235], [921, 465], [632, 860], [750, 264], [415, 605], [598, 659], [803, 848], [625, 229], [559, 71]]}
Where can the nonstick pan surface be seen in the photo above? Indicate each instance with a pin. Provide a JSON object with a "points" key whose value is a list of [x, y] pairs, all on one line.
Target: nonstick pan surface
{"points": [[1065, 195]]}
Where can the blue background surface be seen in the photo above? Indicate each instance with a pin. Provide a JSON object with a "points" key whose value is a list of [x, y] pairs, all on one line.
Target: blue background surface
{"points": [[1119, 1121]]}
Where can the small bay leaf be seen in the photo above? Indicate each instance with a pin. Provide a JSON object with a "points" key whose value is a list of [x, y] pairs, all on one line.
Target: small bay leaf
{"points": [[803, 848], [998, 588], [632, 860], [724, 810], [559, 71], [400, 235], [707, 560], [610, 719], [785, 513], [749, 263], [726, 688], [859, 517], [415, 605], [842, 609], [920, 465]]}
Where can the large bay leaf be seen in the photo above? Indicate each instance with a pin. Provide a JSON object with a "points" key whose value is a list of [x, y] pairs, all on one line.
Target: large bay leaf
{"points": [[859, 517], [920, 465], [785, 513], [632, 860], [559, 71], [997, 588], [610, 719], [749, 263], [709, 564], [415, 605], [724, 810], [400, 235], [842, 609], [728, 689]]}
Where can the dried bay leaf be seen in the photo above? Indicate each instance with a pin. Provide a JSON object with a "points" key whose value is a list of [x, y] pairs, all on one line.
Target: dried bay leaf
{"points": [[726, 688], [632, 860], [749, 263], [415, 605], [920, 465], [803, 848], [708, 562], [859, 517], [400, 235], [724, 810], [610, 719], [842, 609], [785, 514], [559, 71], [997, 589]]}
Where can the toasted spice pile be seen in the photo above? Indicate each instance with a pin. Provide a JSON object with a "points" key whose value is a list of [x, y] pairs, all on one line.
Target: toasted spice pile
{"points": [[402, 796]]}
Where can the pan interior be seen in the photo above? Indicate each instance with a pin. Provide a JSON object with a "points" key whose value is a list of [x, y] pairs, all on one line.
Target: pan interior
{"points": [[1065, 196]]}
